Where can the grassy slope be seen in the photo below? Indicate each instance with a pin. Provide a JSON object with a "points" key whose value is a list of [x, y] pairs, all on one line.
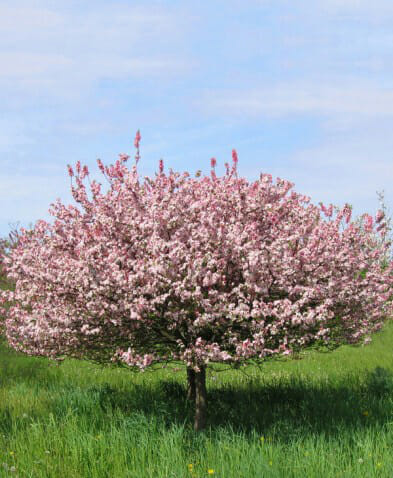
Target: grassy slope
{"points": [[328, 415]]}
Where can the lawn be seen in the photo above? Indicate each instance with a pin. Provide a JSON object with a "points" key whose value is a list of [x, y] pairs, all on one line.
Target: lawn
{"points": [[327, 415]]}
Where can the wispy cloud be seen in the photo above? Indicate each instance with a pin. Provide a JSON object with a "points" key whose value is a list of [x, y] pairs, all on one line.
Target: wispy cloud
{"points": [[377, 8], [355, 6], [347, 166], [301, 98], [25, 198], [56, 50]]}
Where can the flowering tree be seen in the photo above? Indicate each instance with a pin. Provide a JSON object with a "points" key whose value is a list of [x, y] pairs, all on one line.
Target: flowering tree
{"points": [[201, 270]]}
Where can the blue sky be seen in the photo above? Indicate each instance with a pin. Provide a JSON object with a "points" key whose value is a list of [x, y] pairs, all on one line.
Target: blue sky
{"points": [[302, 89]]}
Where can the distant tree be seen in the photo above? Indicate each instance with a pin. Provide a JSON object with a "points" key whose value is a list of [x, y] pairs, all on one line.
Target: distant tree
{"points": [[6, 245], [201, 270]]}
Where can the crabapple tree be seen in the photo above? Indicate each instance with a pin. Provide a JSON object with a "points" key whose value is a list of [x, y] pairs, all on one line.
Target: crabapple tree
{"points": [[199, 270]]}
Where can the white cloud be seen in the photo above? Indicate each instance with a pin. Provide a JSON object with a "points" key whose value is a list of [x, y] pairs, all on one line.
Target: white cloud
{"points": [[18, 187], [20, 18], [356, 6], [301, 98], [343, 167], [23, 65], [364, 7], [56, 51], [25, 199]]}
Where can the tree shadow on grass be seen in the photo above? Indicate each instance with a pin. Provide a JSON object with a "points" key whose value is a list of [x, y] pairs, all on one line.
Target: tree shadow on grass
{"points": [[296, 407], [285, 409]]}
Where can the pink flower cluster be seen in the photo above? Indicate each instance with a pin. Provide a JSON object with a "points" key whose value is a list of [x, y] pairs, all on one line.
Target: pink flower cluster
{"points": [[196, 269]]}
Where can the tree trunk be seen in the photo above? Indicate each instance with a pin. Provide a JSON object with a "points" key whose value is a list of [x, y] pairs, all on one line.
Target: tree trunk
{"points": [[200, 400], [191, 384]]}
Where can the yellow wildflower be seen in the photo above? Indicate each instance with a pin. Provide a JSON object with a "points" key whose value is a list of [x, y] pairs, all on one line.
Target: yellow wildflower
{"points": [[210, 471]]}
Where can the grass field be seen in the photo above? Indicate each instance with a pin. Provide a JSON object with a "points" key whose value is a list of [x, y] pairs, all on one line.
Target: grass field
{"points": [[327, 415]]}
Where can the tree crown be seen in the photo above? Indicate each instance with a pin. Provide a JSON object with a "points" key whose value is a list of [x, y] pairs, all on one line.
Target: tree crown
{"points": [[195, 269]]}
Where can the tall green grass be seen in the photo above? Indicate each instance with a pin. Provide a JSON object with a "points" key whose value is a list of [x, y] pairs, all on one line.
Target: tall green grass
{"points": [[327, 415]]}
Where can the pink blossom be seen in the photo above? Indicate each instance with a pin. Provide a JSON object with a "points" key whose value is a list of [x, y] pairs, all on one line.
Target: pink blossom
{"points": [[368, 222], [100, 165], [85, 172], [208, 268], [136, 144], [137, 139], [234, 157], [347, 211], [379, 216]]}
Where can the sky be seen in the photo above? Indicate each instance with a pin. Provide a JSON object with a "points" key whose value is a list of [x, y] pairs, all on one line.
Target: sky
{"points": [[301, 89]]}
